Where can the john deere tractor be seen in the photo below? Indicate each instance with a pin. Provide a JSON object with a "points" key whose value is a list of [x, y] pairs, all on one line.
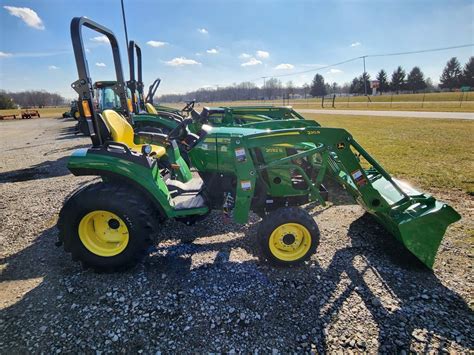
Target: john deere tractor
{"points": [[216, 116], [73, 111], [108, 225]]}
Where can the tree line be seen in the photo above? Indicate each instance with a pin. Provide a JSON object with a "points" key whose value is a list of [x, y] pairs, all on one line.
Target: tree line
{"points": [[30, 98], [453, 77]]}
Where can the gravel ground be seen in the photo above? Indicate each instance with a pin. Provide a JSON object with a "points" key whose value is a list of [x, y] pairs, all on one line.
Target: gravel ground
{"points": [[203, 289]]}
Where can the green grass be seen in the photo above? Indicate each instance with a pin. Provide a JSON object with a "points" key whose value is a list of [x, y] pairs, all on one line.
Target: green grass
{"points": [[428, 153], [434, 96], [447, 102], [445, 106], [47, 112]]}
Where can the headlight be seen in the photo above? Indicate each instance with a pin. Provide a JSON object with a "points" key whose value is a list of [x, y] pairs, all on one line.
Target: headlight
{"points": [[146, 149]]}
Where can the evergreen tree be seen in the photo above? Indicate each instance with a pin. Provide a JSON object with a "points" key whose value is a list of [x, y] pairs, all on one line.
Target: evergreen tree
{"points": [[383, 81], [468, 73], [451, 76], [429, 85], [416, 80], [318, 88], [398, 79], [365, 82], [357, 85]]}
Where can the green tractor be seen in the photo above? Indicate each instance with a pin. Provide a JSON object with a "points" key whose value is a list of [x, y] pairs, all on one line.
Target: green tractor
{"points": [[108, 225], [73, 111], [147, 116]]}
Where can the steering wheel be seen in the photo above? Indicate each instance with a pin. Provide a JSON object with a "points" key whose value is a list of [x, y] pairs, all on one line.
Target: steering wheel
{"points": [[180, 130], [189, 106]]}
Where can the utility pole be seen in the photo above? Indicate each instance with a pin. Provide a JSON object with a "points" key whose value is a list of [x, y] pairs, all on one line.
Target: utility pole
{"points": [[264, 77], [365, 77]]}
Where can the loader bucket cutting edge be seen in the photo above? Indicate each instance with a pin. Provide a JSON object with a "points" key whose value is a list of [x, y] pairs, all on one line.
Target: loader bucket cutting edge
{"points": [[419, 225]]}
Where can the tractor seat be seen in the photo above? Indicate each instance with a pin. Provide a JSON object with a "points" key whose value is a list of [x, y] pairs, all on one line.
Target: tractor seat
{"points": [[122, 132], [176, 186], [150, 109]]}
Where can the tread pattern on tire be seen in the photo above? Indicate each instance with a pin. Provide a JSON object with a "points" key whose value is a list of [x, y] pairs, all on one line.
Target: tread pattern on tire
{"points": [[279, 217], [138, 209]]}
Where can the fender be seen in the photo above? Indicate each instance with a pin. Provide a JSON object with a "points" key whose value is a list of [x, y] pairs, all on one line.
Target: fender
{"points": [[137, 170]]}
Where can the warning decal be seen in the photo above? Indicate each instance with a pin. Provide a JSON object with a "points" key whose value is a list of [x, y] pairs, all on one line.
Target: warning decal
{"points": [[359, 178], [246, 185], [240, 154]]}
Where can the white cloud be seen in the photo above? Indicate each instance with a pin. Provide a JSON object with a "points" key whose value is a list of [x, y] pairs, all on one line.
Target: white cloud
{"points": [[251, 62], [263, 54], [100, 64], [181, 61], [284, 66], [203, 31], [100, 39], [156, 44], [27, 15], [53, 67], [4, 54], [335, 71], [245, 56], [356, 44], [212, 51]]}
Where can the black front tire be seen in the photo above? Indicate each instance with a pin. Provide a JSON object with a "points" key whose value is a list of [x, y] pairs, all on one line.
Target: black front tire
{"points": [[295, 222], [131, 207]]}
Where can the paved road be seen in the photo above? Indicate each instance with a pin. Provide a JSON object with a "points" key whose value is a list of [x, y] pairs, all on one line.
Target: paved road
{"points": [[416, 114]]}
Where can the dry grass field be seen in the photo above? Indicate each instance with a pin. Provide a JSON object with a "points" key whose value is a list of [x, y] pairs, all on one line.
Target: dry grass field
{"points": [[47, 112]]}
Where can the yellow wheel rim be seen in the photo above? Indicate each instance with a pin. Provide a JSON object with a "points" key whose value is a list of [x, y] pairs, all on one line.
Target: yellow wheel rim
{"points": [[103, 233], [77, 114], [290, 241]]}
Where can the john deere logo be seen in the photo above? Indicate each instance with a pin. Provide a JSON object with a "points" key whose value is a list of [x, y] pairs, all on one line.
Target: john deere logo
{"points": [[341, 145]]}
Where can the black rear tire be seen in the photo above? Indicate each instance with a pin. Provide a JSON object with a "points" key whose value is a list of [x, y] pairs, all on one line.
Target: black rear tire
{"points": [[295, 240], [133, 209]]}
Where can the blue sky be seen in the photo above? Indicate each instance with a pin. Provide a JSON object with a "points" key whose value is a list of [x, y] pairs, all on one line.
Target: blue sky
{"points": [[193, 44]]}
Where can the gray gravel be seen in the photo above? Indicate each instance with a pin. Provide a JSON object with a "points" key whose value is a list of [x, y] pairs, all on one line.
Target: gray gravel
{"points": [[203, 288]]}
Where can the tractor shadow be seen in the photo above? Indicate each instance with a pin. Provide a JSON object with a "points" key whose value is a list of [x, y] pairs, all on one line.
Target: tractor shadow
{"points": [[71, 132], [300, 300], [43, 170], [337, 196]]}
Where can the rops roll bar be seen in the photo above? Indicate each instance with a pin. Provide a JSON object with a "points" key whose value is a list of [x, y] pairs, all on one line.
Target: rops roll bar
{"points": [[136, 86], [152, 89], [83, 86]]}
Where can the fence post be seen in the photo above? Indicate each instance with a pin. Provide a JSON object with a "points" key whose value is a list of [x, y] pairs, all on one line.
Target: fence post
{"points": [[391, 100], [348, 99], [462, 97], [423, 100], [322, 101], [333, 99]]}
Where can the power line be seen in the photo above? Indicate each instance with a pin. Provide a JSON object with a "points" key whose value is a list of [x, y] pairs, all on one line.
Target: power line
{"points": [[362, 57], [367, 56], [421, 51]]}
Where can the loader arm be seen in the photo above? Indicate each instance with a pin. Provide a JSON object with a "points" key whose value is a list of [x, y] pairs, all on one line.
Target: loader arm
{"points": [[416, 219]]}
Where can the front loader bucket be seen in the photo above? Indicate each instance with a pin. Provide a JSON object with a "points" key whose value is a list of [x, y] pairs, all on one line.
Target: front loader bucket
{"points": [[419, 223]]}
